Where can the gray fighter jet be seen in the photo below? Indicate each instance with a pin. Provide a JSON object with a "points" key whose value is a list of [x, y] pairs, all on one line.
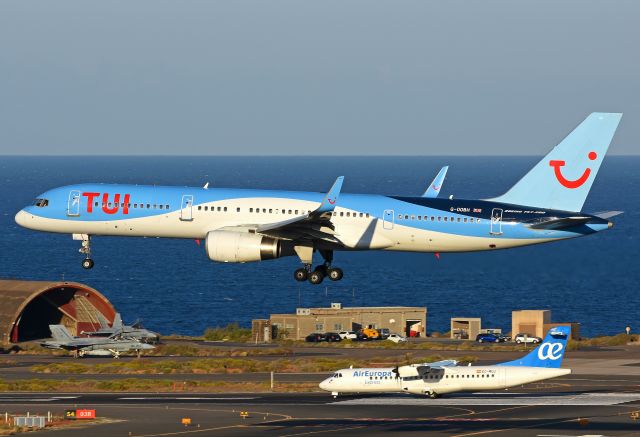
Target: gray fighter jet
{"points": [[96, 346], [118, 328]]}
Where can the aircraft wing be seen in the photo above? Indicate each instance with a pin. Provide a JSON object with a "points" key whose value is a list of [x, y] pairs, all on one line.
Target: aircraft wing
{"points": [[314, 225], [436, 184]]}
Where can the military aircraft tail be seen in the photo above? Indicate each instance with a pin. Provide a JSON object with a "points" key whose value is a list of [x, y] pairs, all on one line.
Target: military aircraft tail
{"points": [[549, 354], [563, 178], [117, 322], [60, 333]]}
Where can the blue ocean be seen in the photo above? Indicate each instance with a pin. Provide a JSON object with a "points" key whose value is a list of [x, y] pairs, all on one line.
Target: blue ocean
{"points": [[173, 287]]}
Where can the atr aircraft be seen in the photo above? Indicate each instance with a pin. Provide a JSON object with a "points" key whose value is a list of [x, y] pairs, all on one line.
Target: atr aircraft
{"points": [[243, 225], [436, 379]]}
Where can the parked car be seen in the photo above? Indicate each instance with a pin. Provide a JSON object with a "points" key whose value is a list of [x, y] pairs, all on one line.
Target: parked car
{"points": [[348, 335], [332, 336], [361, 336], [314, 338], [397, 338], [491, 338], [525, 338], [371, 333], [384, 333]]}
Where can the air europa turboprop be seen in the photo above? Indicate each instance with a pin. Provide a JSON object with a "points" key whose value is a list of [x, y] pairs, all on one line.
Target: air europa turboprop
{"points": [[244, 225], [436, 379]]}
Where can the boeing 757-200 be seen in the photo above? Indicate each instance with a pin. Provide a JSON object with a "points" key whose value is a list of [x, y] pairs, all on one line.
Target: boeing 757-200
{"points": [[244, 225]]}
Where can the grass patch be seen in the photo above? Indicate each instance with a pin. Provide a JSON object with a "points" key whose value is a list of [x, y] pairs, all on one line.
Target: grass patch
{"points": [[231, 332], [230, 365]]}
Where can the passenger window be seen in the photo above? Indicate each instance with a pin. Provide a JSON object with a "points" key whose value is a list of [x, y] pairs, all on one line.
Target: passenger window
{"points": [[367, 215], [446, 219], [348, 214], [419, 217], [206, 208], [270, 211], [219, 209], [465, 219], [341, 214], [162, 206], [237, 209], [458, 219], [224, 209], [257, 209], [296, 211], [361, 215], [135, 205], [149, 205], [413, 217], [96, 204], [250, 209], [399, 216], [154, 206], [432, 218], [406, 216], [166, 207], [289, 211], [478, 220], [439, 218]]}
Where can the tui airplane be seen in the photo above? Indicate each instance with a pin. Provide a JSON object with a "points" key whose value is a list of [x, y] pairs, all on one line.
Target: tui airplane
{"points": [[245, 225]]}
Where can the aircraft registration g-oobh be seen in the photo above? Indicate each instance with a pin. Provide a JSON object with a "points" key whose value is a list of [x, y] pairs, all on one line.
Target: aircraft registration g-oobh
{"points": [[244, 225], [436, 379]]}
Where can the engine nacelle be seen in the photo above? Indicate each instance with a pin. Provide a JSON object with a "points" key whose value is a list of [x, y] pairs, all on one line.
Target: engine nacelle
{"points": [[240, 247]]}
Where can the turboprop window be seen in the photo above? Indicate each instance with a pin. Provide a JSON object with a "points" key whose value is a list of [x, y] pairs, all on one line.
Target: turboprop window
{"points": [[41, 203]]}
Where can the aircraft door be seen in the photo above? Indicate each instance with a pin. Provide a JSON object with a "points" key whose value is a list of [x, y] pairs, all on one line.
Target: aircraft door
{"points": [[496, 221], [73, 204], [388, 218], [186, 208]]}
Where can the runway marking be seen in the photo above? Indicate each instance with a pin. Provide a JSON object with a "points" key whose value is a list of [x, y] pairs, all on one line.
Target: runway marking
{"points": [[164, 398], [324, 430], [583, 399]]}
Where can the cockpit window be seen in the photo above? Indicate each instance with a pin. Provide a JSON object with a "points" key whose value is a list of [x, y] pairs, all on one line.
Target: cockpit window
{"points": [[41, 203]]}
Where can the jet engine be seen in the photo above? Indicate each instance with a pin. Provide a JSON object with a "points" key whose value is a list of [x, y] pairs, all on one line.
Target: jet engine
{"points": [[240, 247]]}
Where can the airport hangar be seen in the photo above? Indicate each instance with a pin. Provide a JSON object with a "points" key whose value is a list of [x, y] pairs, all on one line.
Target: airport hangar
{"points": [[410, 321], [29, 307]]}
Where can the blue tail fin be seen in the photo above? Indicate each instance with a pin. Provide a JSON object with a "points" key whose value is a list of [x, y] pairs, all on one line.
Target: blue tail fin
{"points": [[434, 188], [563, 178], [549, 353]]}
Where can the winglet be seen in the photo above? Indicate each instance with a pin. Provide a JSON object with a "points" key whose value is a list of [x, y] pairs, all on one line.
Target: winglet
{"points": [[329, 202], [434, 188]]}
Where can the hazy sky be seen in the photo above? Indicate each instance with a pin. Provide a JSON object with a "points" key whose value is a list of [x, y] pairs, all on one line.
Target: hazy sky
{"points": [[325, 77]]}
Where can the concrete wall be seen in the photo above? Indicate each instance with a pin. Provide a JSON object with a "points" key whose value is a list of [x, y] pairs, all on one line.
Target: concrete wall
{"points": [[465, 328], [298, 326], [530, 322]]}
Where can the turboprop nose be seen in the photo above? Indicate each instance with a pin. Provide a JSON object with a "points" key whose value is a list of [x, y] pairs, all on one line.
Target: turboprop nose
{"points": [[324, 385]]}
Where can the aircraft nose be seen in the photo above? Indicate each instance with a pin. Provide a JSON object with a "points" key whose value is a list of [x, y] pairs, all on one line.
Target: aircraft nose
{"points": [[22, 218], [324, 385]]}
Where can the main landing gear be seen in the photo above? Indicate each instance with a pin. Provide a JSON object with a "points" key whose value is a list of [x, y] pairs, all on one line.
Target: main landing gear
{"points": [[317, 275], [85, 249]]}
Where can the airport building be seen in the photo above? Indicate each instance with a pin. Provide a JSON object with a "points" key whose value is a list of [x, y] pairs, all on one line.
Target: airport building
{"points": [[29, 307], [467, 328], [410, 321], [537, 322]]}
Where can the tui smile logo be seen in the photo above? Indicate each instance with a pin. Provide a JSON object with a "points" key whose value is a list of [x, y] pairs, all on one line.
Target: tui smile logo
{"points": [[436, 187], [568, 183], [331, 201]]}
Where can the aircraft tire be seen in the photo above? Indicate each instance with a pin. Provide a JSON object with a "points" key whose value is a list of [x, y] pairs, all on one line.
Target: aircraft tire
{"points": [[316, 277], [301, 275], [87, 263], [335, 274]]}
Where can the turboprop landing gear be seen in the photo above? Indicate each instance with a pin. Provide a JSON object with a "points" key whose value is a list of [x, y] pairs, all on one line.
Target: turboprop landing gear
{"points": [[87, 262]]}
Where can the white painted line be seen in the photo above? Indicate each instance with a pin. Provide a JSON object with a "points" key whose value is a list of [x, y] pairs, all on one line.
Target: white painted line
{"points": [[585, 399], [184, 399]]}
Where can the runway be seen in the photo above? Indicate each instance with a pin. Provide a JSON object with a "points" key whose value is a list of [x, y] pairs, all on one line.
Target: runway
{"points": [[283, 414]]}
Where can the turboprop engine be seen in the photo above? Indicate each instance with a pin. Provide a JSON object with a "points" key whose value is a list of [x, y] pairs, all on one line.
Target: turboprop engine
{"points": [[240, 247]]}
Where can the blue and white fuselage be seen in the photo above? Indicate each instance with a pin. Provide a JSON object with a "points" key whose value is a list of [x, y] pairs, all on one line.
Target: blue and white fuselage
{"points": [[241, 225]]}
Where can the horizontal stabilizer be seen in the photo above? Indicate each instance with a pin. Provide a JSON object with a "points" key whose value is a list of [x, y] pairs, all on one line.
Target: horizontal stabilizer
{"points": [[561, 223], [608, 214]]}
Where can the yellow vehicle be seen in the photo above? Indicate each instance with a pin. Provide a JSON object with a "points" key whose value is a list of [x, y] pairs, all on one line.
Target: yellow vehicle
{"points": [[371, 333]]}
